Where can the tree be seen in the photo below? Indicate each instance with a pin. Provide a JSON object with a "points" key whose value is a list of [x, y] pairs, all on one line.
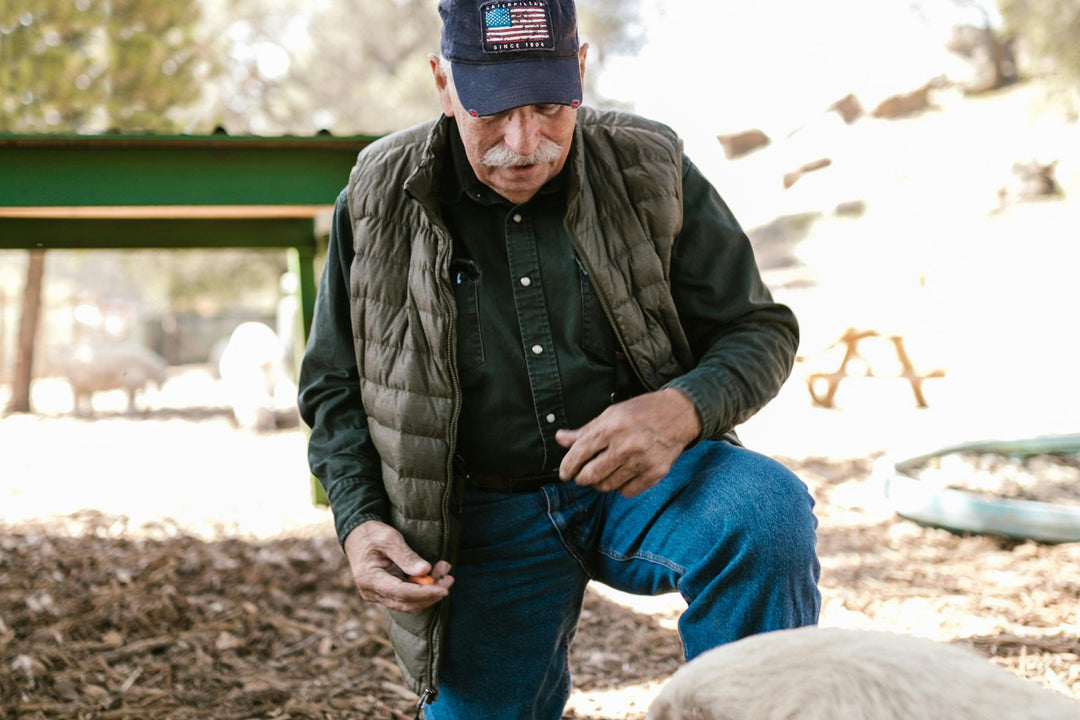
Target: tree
{"points": [[155, 63], [363, 69], [47, 65], [96, 65], [1048, 32], [89, 66], [19, 402]]}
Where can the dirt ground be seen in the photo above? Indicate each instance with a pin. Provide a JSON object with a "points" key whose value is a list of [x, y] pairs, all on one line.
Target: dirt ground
{"points": [[169, 566]]}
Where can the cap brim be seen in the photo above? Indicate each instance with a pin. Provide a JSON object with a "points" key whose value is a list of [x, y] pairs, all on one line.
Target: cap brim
{"points": [[493, 88]]}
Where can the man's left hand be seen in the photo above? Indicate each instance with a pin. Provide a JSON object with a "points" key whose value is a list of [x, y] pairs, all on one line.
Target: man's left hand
{"points": [[632, 445]]}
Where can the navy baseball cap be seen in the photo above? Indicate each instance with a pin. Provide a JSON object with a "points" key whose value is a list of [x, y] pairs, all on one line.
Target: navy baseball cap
{"points": [[509, 53]]}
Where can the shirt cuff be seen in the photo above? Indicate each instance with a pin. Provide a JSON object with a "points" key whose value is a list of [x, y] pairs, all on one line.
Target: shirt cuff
{"points": [[708, 409]]}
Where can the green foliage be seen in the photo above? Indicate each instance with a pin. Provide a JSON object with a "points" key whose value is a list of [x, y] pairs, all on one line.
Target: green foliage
{"points": [[366, 69], [1049, 31], [95, 65], [153, 61], [50, 77]]}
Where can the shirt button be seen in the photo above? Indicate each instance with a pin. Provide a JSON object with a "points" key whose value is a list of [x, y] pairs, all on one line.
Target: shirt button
{"points": [[525, 282], [517, 217], [550, 418], [537, 349]]}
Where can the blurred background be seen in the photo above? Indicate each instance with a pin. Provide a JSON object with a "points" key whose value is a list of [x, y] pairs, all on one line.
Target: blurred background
{"points": [[905, 169], [908, 172], [233, 67]]}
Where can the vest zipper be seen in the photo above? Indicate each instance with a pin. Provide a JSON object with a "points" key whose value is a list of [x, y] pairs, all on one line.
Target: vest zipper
{"points": [[430, 691]]}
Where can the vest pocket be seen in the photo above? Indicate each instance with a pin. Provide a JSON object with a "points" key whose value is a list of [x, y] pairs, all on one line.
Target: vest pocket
{"points": [[465, 277], [597, 338]]}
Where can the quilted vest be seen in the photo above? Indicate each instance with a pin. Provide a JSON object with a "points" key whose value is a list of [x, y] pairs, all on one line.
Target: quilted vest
{"points": [[624, 211]]}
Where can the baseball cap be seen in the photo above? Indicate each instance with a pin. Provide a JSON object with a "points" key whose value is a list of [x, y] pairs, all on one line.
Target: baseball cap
{"points": [[509, 53]]}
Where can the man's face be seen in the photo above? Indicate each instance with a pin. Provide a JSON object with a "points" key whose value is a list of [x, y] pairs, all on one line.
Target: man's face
{"points": [[517, 151]]}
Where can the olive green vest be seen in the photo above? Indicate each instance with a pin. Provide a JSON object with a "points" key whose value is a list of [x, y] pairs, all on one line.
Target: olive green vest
{"points": [[624, 211]]}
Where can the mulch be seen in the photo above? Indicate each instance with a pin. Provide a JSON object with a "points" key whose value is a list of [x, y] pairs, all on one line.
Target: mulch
{"points": [[99, 619]]}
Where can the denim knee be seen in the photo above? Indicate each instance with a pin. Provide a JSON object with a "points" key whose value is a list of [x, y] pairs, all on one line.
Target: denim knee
{"points": [[762, 571], [777, 525]]}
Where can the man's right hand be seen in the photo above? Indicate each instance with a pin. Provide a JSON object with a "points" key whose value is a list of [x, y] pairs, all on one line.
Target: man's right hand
{"points": [[381, 564]]}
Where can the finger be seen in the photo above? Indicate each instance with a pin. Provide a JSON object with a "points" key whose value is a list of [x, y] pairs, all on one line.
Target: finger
{"points": [[410, 603], [441, 571], [567, 438], [440, 575], [569, 466], [613, 465], [406, 596], [602, 472], [616, 479], [584, 451], [632, 476], [406, 558]]}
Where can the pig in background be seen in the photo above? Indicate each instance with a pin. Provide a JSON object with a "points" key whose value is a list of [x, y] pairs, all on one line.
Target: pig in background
{"points": [[254, 372], [100, 367], [835, 674]]}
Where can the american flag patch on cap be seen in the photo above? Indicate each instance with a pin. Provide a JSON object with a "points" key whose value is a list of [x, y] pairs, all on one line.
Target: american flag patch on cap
{"points": [[516, 25]]}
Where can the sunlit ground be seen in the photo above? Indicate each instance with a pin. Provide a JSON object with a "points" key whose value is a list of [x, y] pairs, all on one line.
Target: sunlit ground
{"points": [[208, 478]]}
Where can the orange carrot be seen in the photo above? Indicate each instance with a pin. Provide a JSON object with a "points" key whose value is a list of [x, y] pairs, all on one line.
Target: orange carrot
{"points": [[422, 579]]}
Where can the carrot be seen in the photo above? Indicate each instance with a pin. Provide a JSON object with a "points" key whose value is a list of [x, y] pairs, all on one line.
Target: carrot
{"points": [[422, 579]]}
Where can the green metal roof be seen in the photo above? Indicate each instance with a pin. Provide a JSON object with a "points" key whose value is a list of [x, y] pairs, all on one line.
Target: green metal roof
{"points": [[124, 170], [173, 191]]}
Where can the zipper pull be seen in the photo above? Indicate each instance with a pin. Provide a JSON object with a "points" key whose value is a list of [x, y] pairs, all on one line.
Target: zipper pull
{"points": [[426, 698]]}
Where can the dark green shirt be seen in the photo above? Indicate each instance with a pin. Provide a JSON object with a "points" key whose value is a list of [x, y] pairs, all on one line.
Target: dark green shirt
{"points": [[535, 352]]}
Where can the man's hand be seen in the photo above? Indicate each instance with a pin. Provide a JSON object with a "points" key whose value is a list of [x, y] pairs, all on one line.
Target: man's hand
{"points": [[632, 445], [382, 563]]}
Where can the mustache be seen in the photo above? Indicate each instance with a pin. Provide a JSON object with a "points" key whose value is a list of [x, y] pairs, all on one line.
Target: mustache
{"points": [[547, 152]]}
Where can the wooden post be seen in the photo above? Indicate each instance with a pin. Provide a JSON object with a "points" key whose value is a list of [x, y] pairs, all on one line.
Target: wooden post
{"points": [[24, 352], [302, 263], [3, 334]]}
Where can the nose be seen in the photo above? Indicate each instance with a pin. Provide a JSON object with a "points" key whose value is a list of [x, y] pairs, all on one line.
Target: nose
{"points": [[522, 130]]}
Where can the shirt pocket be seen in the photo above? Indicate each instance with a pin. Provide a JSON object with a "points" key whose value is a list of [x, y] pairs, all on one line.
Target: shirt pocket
{"points": [[465, 277], [597, 338]]}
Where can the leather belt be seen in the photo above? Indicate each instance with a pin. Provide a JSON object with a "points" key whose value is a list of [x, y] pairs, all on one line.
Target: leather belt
{"points": [[508, 484]]}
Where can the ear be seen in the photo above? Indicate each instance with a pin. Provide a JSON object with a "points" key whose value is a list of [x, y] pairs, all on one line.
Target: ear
{"points": [[581, 61], [443, 84]]}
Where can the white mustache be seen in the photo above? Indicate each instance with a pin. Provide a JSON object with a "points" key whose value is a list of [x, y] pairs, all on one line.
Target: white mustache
{"points": [[547, 152]]}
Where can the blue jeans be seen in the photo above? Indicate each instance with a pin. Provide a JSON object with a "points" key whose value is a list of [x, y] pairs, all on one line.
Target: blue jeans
{"points": [[731, 530]]}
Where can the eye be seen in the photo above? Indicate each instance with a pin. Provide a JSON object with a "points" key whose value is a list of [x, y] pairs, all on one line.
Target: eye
{"points": [[548, 108]]}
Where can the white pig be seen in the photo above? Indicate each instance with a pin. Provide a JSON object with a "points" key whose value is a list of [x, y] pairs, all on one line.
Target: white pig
{"points": [[95, 368], [834, 674], [257, 384]]}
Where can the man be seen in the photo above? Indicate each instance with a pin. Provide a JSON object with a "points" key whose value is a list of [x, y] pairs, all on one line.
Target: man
{"points": [[537, 326]]}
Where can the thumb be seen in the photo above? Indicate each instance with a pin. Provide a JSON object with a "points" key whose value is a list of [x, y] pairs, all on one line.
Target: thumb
{"points": [[376, 543], [405, 558]]}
